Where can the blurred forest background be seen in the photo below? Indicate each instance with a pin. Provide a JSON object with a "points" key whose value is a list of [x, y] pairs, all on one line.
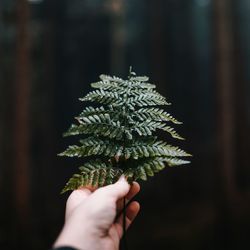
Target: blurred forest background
{"points": [[197, 52]]}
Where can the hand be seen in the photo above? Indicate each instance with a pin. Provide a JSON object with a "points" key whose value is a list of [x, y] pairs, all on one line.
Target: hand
{"points": [[90, 218]]}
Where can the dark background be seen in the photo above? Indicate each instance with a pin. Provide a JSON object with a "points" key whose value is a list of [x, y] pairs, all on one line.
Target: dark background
{"points": [[197, 52]]}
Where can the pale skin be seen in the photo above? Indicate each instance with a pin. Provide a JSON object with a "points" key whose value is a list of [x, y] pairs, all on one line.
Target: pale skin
{"points": [[91, 221]]}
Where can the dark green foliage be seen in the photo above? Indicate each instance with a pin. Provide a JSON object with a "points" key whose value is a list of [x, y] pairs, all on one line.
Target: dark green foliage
{"points": [[119, 134]]}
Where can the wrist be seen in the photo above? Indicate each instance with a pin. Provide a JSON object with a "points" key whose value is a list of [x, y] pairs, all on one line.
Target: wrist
{"points": [[78, 238], [64, 248]]}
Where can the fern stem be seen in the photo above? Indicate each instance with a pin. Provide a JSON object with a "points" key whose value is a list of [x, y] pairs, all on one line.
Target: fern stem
{"points": [[125, 246], [124, 239]]}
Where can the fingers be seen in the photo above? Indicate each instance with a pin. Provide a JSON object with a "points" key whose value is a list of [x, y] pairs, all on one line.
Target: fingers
{"points": [[131, 212], [117, 190], [134, 189]]}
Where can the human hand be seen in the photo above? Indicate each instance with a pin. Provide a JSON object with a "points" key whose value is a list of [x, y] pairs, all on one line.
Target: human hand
{"points": [[90, 218]]}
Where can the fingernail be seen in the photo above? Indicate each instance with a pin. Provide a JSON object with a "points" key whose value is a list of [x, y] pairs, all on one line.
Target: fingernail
{"points": [[122, 178]]}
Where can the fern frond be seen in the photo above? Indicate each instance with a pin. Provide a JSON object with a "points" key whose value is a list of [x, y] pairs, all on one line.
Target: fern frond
{"points": [[147, 168], [121, 133], [93, 111], [110, 86], [107, 85], [93, 146], [150, 93], [146, 100], [147, 127], [172, 162], [155, 114], [129, 88], [104, 77], [103, 97], [158, 148], [93, 174], [139, 79], [151, 166], [142, 85], [172, 132], [135, 82], [109, 129], [112, 81], [97, 119]]}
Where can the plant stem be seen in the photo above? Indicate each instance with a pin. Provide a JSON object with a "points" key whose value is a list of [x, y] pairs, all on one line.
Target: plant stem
{"points": [[124, 239]]}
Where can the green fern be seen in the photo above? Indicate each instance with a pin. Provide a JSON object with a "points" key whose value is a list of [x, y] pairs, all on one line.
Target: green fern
{"points": [[120, 133]]}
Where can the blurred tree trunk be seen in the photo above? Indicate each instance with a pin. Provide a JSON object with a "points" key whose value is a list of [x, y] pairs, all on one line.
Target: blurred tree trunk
{"points": [[21, 138], [242, 92], [226, 186], [118, 37], [225, 95], [1, 104], [158, 43]]}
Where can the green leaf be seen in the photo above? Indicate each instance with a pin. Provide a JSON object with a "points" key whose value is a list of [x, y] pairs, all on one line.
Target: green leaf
{"points": [[100, 125], [88, 111], [172, 132], [146, 100], [121, 133], [145, 150], [147, 127], [139, 78], [154, 114], [93, 174], [103, 97], [150, 166]]}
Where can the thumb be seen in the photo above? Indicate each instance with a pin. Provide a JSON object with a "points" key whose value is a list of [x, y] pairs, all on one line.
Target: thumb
{"points": [[117, 190], [76, 198]]}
